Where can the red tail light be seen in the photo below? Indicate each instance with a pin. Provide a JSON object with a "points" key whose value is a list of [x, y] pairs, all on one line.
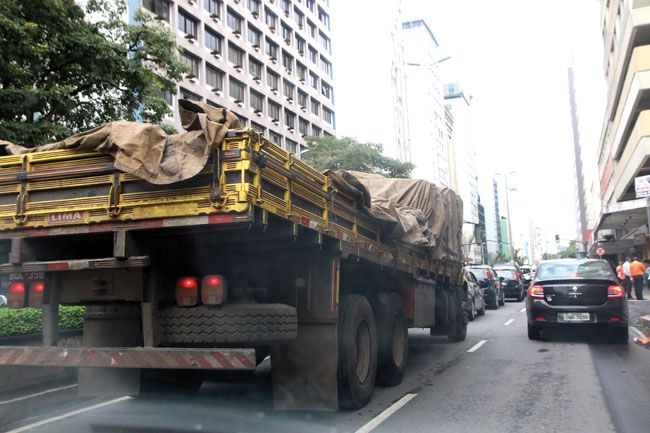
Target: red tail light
{"points": [[36, 290], [213, 290], [488, 274], [16, 295], [187, 291], [615, 292], [536, 292]]}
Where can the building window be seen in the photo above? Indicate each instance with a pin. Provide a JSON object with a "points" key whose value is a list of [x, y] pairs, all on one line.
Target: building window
{"points": [[289, 119], [235, 56], [242, 119], [274, 111], [313, 55], [313, 80], [254, 68], [289, 90], [257, 101], [234, 22], [237, 90], [300, 45], [324, 18], [287, 61], [275, 138], [273, 79], [214, 7], [303, 126], [193, 62], [254, 36], [315, 107], [302, 71], [271, 49], [214, 78], [328, 115], [213, 104], [213, 41], [325, 66], [167, 96], [310, 5], [325, 42], [254, 7], [270, 18], [315, 131], [326, 90], [186, 94], [286, 33], [259, 128], [312, 29], [292, 146], [302, 99], [160, 8], [298, 17], [186, 24], [286, 7]]}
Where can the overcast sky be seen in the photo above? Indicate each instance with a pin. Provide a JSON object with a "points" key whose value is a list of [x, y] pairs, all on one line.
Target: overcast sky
{"points": [[512, 57]]}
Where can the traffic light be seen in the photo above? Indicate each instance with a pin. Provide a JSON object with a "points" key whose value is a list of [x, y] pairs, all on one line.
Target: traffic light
{"points": [[557, 238]]}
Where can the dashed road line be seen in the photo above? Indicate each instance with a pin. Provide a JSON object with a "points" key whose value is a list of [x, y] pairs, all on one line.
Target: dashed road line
{"points": [[509, 322], [373, 423], [68, 414], [523, 310], [36, 394], [477, 346]]}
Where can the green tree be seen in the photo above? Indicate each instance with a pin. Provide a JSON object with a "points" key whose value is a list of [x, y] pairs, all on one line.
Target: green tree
{"points": [[64, 69], [347, 153], [570, 252]]}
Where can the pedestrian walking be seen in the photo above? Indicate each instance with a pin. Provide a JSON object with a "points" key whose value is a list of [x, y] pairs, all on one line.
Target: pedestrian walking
{"points": [[637, 271], [627, 282], [619, 272]]}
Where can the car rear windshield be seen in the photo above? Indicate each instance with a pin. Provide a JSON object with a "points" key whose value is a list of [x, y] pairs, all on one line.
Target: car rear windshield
{"points": [[575, 270], [479, 273], [508, 274]]}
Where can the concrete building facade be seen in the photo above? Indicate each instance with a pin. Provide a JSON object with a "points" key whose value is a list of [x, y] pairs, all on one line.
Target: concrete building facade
{"points": [[624, 148], [268, 61]]}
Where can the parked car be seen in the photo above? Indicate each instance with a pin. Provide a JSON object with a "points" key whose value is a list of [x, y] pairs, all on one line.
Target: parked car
{"points": [[576, 292], [475, 305], [527, 275], [511, 283], [489, 282]]}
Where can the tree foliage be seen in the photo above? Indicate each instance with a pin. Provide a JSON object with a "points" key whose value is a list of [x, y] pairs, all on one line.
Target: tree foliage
{"points": [[64, 69], [22, 321], [570, 252], [347, 153]]}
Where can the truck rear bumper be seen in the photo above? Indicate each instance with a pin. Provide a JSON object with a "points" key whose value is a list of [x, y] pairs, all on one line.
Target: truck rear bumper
{"points": [[129, 357]]}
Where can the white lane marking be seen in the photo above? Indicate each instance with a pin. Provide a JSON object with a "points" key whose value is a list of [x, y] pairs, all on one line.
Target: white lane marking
{"points": [[477, 346], [69, 414], [373, 423], [36, 394], [523, 310], [509, 322]]}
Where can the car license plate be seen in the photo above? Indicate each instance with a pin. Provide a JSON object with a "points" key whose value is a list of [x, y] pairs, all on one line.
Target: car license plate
{"points": [[574, 317]]}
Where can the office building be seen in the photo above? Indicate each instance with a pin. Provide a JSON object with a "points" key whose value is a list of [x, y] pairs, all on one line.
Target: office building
{"points": [[267, 61]]}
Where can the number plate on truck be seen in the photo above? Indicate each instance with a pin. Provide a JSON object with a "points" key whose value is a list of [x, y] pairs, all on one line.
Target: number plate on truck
{"points": [[26, 276]]}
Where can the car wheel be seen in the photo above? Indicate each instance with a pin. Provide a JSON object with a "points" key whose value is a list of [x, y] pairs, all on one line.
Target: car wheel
{"points": [[620, 335], [520, 297], [481, 312], [502, 301], [494, 303], [470, 313], [534, 332]]}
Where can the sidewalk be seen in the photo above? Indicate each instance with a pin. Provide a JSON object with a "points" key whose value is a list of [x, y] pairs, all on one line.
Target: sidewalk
{"points": [[640, 319]]}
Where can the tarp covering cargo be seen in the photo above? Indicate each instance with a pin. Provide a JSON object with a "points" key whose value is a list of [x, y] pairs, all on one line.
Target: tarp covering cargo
{"points": [[412, 211], [145, 150]]}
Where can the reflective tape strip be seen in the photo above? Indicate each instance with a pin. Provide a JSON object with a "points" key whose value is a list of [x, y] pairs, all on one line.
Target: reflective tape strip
{"points": [[135, 357]]}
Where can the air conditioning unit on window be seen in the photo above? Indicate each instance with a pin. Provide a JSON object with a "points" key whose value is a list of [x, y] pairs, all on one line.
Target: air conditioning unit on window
{"points": [[255, 15], [272, 28], [238, 68], [286, 13], [258, 112], [237, 33], [291, 129], [193, 80], [258, 80], [275, 121], [213, 15], [239, 102], [216, 53], [217, 91], [290, 100]]}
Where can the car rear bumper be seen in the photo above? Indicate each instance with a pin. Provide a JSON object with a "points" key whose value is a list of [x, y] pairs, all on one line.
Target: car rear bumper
{"points": [[612, 313], [512, 292]]}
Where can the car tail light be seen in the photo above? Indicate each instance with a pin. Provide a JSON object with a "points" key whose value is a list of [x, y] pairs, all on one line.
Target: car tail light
{"points": [[187, 291], [614, 319], [615, 292], [488, 274], [213, 290], [540, 319], [536, 292], [36, 290], [16, 294]]}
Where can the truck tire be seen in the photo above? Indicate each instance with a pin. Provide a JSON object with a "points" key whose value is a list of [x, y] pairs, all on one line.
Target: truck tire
{"points": [[458, 327], [392, 334], [357, 363], [230, 323]]}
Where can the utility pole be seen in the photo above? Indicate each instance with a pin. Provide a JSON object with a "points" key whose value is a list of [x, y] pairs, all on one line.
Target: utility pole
{"points": [[512, 248]]}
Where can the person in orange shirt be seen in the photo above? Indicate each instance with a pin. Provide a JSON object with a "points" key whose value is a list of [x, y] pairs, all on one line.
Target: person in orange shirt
{"points": [[619, 271], [637, 271]]}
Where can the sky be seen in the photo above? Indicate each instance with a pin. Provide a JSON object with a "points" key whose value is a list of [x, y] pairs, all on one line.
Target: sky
{"points": [[512, 57]]}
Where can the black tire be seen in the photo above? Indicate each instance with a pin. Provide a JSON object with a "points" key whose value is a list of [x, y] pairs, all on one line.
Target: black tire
{"points": [[502, 300], [357, 364], [471, 313], [534, 332], [494, 303], [520, 297], [230, 323], [159, 381], [392, 335], [620, 335], [481, 312], [458, 327]]}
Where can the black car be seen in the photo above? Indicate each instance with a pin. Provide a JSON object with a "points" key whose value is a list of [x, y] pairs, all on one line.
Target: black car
{"points": [[513, 286], [488, 280], [576, 292], [475, 305]]}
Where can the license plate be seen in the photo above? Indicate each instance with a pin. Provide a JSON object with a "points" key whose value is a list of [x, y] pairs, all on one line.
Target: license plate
{"points": [[574, 317]]}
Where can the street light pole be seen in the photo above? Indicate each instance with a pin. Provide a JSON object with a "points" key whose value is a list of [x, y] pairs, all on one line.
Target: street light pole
{"points": [[512, 249]]}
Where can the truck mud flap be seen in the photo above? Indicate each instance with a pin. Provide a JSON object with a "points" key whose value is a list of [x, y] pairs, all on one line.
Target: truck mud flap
{"points": [[132, 357]]}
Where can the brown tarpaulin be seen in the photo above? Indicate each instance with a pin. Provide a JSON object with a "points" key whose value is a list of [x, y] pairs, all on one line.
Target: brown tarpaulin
{"points": [[413, 211], [145, 150]]}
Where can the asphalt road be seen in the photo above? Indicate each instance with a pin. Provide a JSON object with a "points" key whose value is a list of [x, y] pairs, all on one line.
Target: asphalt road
{"points": [[495, 381]]}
